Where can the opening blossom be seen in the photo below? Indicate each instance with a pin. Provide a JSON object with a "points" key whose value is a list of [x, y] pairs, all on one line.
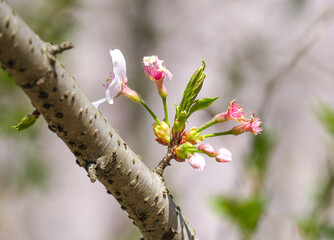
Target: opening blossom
{"points": [[157, 72], [234, 112], [116, 84], [196, 161], [251, 125]]}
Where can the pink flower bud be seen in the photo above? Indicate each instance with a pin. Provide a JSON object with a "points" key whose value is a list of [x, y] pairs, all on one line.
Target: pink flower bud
{"points": [[234, 112], [251, 125], [223, 155], [196, 161], [207, 149]]}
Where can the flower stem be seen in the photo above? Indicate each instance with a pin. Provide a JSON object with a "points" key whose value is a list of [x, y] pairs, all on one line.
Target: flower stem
{"points": [[166, 110], [217, 134], [206, 125], [143, 103]]}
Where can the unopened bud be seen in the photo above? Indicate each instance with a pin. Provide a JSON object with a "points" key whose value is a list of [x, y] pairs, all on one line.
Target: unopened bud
{"points": [[223, 155]]}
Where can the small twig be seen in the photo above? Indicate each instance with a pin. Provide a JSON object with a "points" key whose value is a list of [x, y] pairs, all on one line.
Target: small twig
{"points": [[165, 161], [56, 49]]}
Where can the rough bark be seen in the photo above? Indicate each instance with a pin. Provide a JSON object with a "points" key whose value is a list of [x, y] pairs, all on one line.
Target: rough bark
{"points": [[96, 145]]}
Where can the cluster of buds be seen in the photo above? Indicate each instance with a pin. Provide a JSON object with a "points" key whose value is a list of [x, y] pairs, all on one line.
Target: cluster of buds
{"points": [[194, 136], [182, 144]]}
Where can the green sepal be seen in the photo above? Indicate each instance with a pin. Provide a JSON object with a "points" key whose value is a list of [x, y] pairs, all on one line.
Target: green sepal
{"points": [[184, 150], [201, 104], [26, 122]]}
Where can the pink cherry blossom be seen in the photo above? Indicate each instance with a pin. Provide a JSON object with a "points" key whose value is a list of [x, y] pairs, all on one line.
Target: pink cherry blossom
{"points": [[196, 161], [157, 72], [223, 155], [155, 69], [251, 125], [234, 112], [207, 149]]}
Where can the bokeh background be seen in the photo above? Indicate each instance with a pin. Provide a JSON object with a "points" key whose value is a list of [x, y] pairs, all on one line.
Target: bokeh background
{"points": [[275, 57]]}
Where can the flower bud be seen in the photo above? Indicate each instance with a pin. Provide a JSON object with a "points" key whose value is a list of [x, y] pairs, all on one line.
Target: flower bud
{"points": [[163, 133], [207, 149], [223, 155], [193, 136], [196, 161]]}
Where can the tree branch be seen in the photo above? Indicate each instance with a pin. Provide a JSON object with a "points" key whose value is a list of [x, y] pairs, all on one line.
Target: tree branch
{"points": [[95, 144]]}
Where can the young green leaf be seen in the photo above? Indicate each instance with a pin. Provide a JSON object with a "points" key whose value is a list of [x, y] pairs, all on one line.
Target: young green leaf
{"points": [[189, 95], [27, 121], [201, 104], [193, 88]]}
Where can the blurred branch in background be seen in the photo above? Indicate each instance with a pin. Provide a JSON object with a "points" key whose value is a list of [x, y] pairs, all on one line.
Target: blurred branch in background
{"points": [[306, 46]]}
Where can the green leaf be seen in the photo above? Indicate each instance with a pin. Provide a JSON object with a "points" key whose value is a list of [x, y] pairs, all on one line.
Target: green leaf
{"points": [[189, 95], [26, 122], [201, 104], [193, 88]]}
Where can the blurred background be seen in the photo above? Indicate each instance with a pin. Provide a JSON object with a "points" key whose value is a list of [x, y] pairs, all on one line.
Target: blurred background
{"points": [[275, 57]]}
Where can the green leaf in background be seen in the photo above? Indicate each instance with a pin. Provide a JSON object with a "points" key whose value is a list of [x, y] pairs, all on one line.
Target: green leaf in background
{"points": [[34, 173], [244, 212], [201, 104], [259, 156], [325, 114]]}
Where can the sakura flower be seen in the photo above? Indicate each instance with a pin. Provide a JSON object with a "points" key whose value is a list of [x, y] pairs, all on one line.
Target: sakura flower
{"points": [[234, 112], [155, 69], [223, 155], [196, 161], [116, 84], [207, 149], [251, 125], [157, 72]]}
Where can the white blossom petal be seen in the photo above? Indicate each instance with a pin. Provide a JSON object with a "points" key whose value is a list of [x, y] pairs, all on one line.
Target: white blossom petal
{"points": [[98, 103], [168, 75], [119, 64]]}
